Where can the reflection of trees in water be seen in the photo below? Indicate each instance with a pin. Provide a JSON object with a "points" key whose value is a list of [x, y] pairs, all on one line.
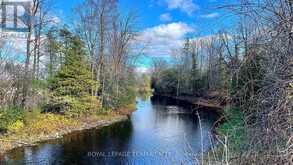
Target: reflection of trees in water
{"points": [[16, 154], [45, 153], [115, 138], [121, 130], [161, 100], [163, 131], [105, 140], [74, 148]]}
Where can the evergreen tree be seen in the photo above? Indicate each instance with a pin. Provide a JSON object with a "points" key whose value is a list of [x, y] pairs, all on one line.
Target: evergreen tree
{"points": [[72, 84], [74, 77]]}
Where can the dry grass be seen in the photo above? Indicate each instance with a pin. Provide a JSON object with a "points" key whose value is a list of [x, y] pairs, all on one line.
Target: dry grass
{"points": [[51, 126]]}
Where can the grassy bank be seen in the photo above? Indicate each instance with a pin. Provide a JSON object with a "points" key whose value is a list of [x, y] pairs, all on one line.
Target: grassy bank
{"points": [[33, 127], [233, 128], [204, 101], [231, 137]]}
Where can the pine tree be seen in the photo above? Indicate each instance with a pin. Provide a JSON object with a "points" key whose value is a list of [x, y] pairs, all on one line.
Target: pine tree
{"points": [[72, 84], [74, 77]]}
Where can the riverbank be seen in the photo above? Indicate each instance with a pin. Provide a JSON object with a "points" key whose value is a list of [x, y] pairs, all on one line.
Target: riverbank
{"points": [[52, 126], [211, 100], [228, 125], [228, 131], [153, 119], [231, 136]]}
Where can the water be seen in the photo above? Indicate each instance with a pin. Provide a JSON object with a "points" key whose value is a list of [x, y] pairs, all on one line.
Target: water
{"points": [[159, 132]]}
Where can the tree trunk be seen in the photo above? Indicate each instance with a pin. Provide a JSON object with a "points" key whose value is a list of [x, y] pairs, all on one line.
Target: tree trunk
{"points": [[26, 77]]}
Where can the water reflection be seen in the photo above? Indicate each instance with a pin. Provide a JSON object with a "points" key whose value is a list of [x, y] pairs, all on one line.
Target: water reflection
{"points": [[159, 132]]}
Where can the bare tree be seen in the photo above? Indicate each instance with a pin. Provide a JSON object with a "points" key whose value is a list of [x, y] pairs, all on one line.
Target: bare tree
{"points": [[94, 28], [42, 20], [267, 64], [30, 25], [89, 32], [120, 39]]}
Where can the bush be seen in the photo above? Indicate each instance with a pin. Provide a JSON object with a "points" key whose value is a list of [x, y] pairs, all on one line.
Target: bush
{"points": [[10, 117], [31, 116], [39, 84], [115, 97], [48, 123], [13, 127], [167, 82], [128, 97], [234, 128], [74, 106]]}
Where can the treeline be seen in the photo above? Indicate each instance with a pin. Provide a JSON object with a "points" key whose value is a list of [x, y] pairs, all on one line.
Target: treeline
{"points": [[76, 70], [253, 64], [143, 81], [199, 66]]}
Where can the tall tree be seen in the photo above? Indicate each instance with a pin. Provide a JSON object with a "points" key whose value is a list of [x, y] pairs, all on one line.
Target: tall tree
{"points": [[27, 76], [74, 76], [72, 85], [95, 22]]}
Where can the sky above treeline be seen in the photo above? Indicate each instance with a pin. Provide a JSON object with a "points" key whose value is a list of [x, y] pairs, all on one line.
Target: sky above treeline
{"points": [[164, 24]]}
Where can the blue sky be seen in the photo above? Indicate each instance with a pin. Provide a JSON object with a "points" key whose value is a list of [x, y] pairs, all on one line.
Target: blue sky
{"points": [[164, 24], [203, 16]]}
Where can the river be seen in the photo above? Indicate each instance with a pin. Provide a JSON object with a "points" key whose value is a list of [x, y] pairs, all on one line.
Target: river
{"points": [[159, 132]]}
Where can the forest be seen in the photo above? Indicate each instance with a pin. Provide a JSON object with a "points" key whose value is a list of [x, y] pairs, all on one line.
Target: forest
{"points": [[84, 72], [249, 69], [68, 74]]}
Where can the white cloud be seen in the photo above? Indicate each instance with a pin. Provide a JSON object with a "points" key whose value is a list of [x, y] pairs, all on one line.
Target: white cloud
{"points": [[54, 20], [164, 38], [142, 70], [211, 15], [166, 17], [186, 6]]}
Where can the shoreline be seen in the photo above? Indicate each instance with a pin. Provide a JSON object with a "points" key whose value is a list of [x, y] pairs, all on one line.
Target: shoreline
{"points": [[218, 109], [193, 100], [85, 124], [199, 102]]}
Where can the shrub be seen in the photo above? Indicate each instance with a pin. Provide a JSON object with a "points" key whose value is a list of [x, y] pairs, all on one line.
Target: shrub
{"points": [[39, 84], [234, 128], [128, 97], [13, 127], [74, 106], [32, 115], [49, 123], [9, 116]]}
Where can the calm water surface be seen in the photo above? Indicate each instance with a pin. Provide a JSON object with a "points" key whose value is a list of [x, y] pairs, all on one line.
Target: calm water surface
{"points": [[159, 132]]}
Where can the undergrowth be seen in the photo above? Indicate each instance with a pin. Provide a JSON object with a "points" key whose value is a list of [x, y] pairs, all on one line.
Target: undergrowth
{"points": [[233, 129]]}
